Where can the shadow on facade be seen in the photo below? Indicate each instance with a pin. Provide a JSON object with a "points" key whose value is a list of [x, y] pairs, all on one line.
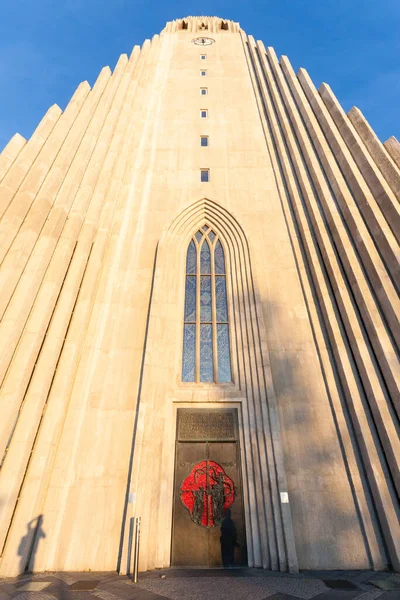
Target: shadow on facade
{"points": [[324, 489], [32, 537]]}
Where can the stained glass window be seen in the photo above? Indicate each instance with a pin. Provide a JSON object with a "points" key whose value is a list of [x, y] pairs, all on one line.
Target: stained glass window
{"points": [[205, 299], [189, 353], [205, 259], [206, 347], [190, 300], [191, 259]]}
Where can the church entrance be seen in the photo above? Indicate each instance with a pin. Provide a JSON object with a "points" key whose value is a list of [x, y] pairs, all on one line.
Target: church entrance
{"points": [[208, 518]]}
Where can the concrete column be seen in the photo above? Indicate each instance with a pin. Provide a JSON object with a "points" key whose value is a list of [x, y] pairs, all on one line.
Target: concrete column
{"points": [[378, 152], [21, 168], [393, 147], [10, 153]]}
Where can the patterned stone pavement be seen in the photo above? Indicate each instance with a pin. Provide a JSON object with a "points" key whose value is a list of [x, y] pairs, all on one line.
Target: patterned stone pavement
{"points": [[198, 584]]}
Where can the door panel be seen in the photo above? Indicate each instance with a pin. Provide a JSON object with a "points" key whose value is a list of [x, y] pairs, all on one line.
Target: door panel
{"points": [[189, 541]]}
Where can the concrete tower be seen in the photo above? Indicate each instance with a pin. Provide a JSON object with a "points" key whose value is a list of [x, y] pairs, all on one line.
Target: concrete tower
{"points": [[266, 403]]}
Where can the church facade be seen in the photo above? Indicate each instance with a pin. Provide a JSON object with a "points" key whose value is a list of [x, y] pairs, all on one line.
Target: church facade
{"points": [[199, 320]]}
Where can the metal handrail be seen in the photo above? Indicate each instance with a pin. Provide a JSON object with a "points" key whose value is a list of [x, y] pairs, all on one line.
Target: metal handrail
{"points": [[136, 559]]}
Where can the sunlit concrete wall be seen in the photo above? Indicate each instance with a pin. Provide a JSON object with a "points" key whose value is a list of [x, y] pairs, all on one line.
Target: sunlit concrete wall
{"points": [[97, 209]]}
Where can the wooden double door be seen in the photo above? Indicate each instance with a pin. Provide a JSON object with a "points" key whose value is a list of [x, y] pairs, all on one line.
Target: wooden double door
{"points": [[208, 518]]}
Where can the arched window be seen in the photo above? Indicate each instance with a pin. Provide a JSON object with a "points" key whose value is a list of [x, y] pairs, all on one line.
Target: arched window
{"points": [[206, 348]]}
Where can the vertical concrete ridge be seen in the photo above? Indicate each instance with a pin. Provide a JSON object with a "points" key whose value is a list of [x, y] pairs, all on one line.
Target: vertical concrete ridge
{"points": [[377, 150], [121, 62], [301, 195], [135, 52], [10, 153], [392, 145], [21, 167], [380, 189]]}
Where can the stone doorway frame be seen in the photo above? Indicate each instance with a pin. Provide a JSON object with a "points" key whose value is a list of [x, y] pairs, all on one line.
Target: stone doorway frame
{"points": [[235, 438]]}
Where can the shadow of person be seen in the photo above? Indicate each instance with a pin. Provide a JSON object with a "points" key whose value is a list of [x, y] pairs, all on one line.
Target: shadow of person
{"points": [[228, 540], [29, 543]]}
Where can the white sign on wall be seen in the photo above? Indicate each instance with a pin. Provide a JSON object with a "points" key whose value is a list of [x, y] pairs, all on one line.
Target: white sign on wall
{"points": [[284, 498]]}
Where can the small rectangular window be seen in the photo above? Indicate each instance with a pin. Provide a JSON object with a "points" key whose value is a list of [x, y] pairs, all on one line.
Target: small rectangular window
{"points": [[204, 175], [204, 140], [204, 114], [203, 91], [203, 56], [203, 73]]}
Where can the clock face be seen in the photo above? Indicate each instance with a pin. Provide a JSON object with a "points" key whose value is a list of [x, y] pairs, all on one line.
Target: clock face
{"points": [[203, 41]]}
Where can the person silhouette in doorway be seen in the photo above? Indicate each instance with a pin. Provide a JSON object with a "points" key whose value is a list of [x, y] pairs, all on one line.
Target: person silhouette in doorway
{"points": [[228, 540]]}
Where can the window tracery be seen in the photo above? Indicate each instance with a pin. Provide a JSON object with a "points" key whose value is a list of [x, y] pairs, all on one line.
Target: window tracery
{"points": [[206, 347]]}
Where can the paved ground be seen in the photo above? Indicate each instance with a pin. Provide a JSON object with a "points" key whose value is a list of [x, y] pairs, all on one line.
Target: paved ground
{"points": [[198, 584]]}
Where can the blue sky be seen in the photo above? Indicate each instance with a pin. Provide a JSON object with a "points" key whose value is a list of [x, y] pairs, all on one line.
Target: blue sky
{"points": [[47, 47]]}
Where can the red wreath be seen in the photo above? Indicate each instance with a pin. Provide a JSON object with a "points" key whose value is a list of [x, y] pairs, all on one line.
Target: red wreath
{"points": [[207, 493]]}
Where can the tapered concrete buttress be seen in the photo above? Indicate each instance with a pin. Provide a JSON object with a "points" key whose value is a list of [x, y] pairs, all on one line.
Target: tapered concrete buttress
{"points": [[10, 153], [392, 145], [21, 167], [377, 150]]}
